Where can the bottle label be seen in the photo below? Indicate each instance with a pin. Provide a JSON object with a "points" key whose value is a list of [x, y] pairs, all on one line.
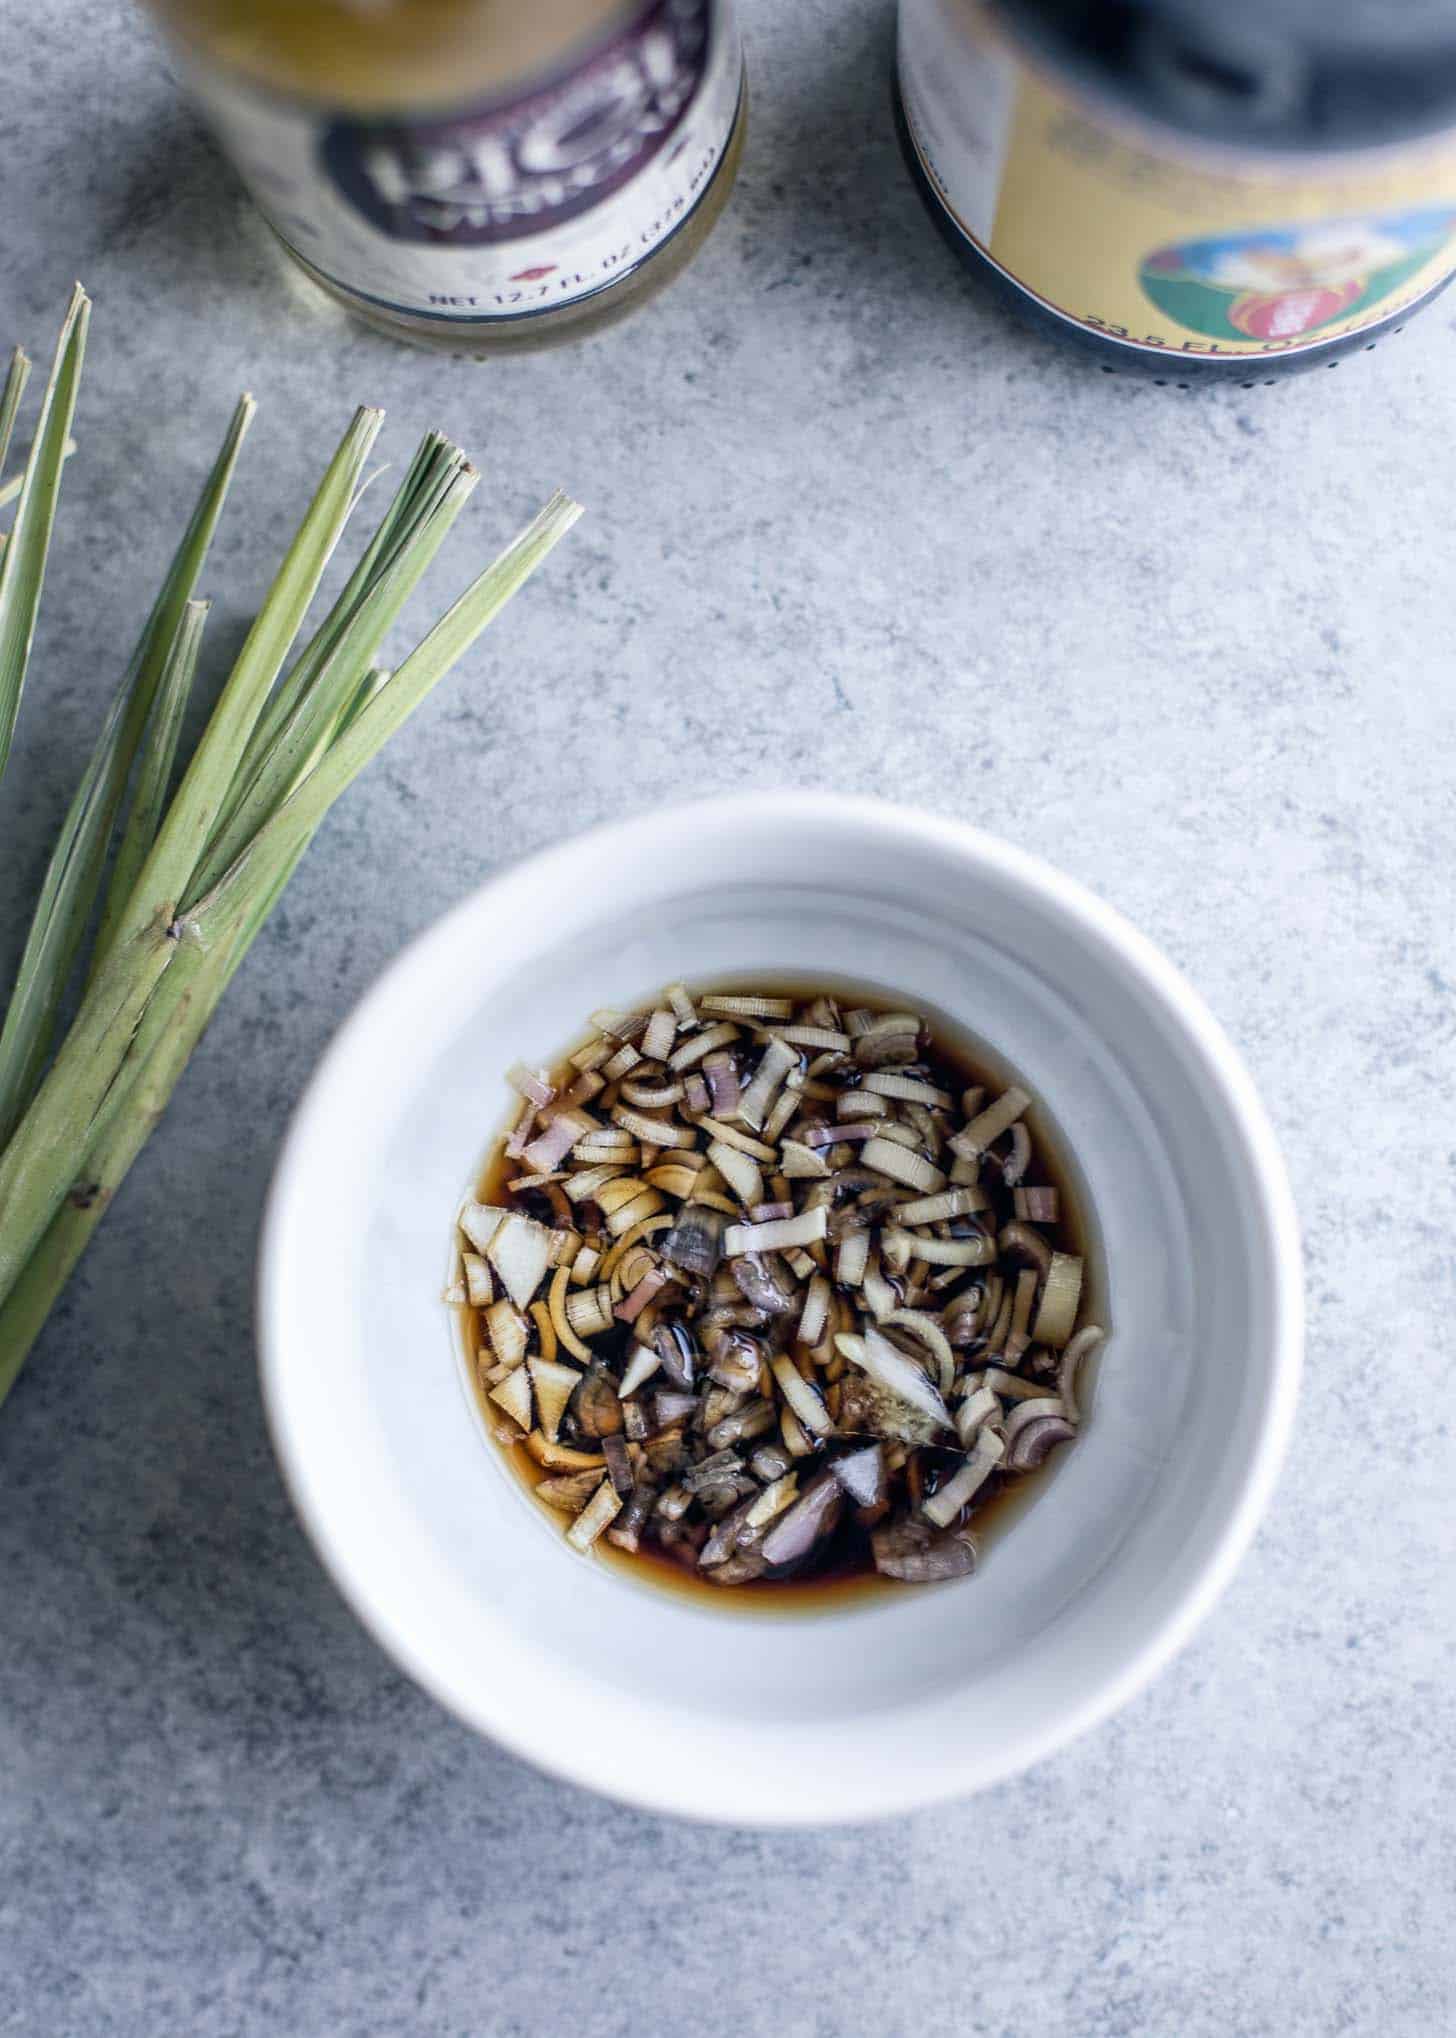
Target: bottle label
{"points": [[506, 209], [1121, 231]]}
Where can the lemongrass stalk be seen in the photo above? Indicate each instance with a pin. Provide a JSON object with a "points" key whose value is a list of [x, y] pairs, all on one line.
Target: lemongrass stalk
{"points": [[11, 391], [434, 462], [11, 488], [154, 975], [73, 876], [194, 811], [105, 1166], [37, 1167], [276, 842], [149, 659], [336, 682], [154, 777], [23, 561], [103, 1169]]}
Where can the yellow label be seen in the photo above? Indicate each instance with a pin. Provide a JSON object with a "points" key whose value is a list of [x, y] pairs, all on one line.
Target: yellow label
{"points": [[1196, 252]]}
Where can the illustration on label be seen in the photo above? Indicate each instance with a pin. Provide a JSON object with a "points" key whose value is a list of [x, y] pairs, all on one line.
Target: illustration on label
{"points": [[1280, 283], [496, 174]]}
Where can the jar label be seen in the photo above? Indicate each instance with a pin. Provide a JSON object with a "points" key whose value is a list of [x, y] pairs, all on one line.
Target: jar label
{"points": [[505, 209], [1117, 230]]}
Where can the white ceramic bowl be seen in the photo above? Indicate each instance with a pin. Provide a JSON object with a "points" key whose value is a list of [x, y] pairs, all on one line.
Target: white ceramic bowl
{"points": [[885, 1704]]}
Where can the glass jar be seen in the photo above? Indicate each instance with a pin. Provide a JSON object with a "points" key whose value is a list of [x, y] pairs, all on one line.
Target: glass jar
{"points": [[470, 173], [1192, 190]]}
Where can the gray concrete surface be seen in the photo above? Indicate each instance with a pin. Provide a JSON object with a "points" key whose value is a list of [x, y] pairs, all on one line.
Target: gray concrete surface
{"points": [[846, 528]]}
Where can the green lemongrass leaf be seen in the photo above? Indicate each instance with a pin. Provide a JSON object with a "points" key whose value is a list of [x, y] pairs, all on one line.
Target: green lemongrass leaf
{"points": [[11, 488], [73, 876], [159, 758], [75, 1098], [200, 798], [72, 881], [149, 664], [16, 377], [435, 460], [362, 737], [23, 561], [169, 1031], [315, 716], [145, 1085]]}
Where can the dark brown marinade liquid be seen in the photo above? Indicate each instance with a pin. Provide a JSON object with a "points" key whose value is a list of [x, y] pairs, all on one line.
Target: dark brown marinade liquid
{"points": [[844, 1569]]}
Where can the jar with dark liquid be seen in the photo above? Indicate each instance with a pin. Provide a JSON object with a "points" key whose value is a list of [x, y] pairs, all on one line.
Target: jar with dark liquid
{"points": [[1195, 191], [472, 173]]}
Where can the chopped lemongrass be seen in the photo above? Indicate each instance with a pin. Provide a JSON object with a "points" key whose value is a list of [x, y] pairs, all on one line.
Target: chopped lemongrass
{"points": [[643, 1363], [800, 1162], [506, 1329], [804, 1229], [585, 1264], [589, 1311], [532, 1084], [785, 1106], [988, 1125], [739, 1170], [568, 1492], [945, 1504], [598, 1514], [978, 1408], [852, 1259], [815, 1314], [701, 1044], [979, 1251], [479, 1221], [520, 1250], [651, 1096], [772, 1501], [1033, 1409], [559, 1457], [1056, 1316], [1010, 1386], [540, 1315], [479, 1288], [730, 1135], [554, 1386], [652, 1131], [890, 1369], [858, 1104], [745, 1006], [798, 1339], [658, 1036], [912, 1169], [962, 1201], [925, 1331], [802, 1397], [817, 1039], [514, 1396], [587, 1185], [910, 1089], [767, 1079]]}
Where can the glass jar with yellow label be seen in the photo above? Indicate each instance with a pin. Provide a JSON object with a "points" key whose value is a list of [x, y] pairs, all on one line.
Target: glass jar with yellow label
{"points": [[475, 173], [1196, 189]]}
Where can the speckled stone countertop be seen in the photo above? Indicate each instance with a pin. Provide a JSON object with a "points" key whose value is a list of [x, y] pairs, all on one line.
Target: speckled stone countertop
{"points": [[847, 528]]}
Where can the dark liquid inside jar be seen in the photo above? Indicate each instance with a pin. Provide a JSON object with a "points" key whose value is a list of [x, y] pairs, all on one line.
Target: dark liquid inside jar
{"points": [[1190, 195]]}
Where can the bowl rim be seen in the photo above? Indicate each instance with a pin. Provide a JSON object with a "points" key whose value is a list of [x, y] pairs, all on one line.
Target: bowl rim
{"points": [[1155, 977]]}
